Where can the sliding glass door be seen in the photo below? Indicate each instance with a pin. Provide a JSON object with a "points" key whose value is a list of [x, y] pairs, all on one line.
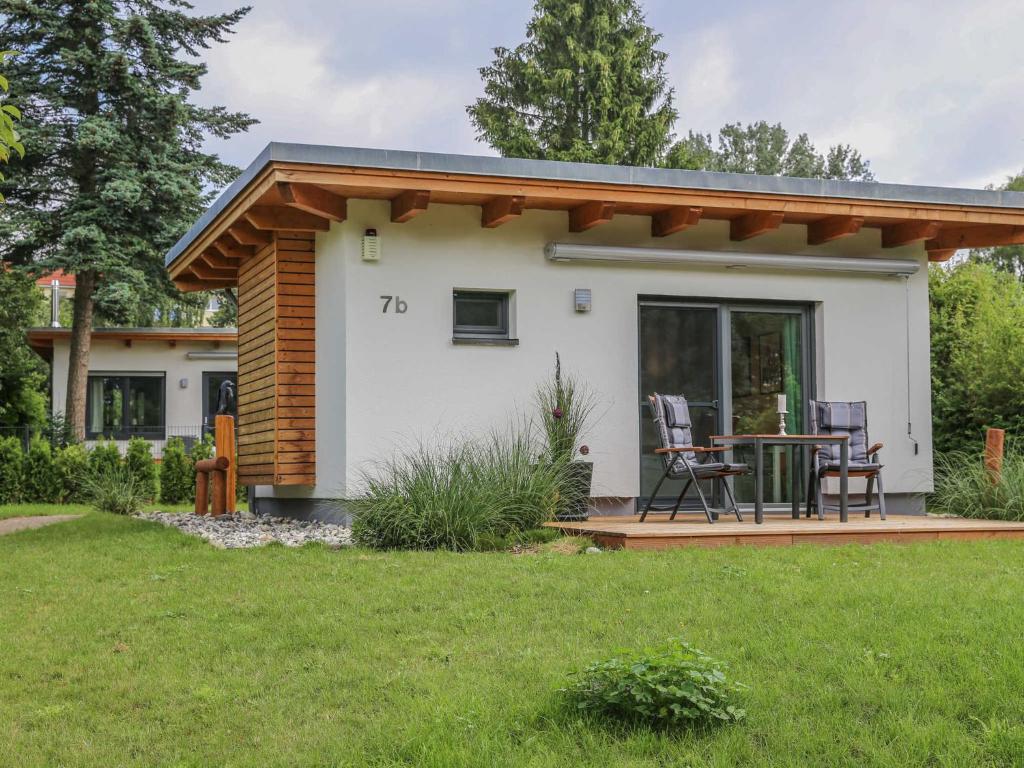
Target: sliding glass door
{"points": [[731, 361]]}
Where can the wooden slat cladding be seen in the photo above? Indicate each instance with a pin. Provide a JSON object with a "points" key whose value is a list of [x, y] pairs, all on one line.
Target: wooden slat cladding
{"points": [[277, 363], [295, 344], [256, 357]]}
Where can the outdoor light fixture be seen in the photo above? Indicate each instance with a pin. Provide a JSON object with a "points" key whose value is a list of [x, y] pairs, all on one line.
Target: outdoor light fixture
{"points": [[730, 259], [183, 383], [583, 299], [371, 245]]}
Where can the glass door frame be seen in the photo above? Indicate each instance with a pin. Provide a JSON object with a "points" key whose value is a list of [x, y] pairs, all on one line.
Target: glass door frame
{"points": [[723, 359]]}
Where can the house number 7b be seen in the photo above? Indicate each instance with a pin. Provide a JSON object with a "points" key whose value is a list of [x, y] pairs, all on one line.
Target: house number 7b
{"points": [[400, 306]]}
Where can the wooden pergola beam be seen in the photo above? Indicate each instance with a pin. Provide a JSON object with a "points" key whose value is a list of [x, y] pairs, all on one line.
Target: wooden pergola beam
{"points": [[895, 235], [319, 202], [245, 233], [753, 224], [496, 212], [204, 271], [274, 218], [229, 250], [673, 220], [983, 236], [214, 259], [833, 228], [941, 254], [590, 215], [409, 204]]}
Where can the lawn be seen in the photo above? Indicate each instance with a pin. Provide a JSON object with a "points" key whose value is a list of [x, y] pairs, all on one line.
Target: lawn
{"points": [[126, 643]]}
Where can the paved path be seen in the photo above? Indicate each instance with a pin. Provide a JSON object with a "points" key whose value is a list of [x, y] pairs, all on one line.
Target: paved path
{"points": [[12, 524]]}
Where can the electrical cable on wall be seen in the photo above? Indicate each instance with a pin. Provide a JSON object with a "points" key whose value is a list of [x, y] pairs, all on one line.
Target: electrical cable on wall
{"points": [[906, 326]]}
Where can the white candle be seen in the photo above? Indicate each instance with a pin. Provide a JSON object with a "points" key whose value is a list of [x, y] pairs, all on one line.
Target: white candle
{"points": [[782, 404]]}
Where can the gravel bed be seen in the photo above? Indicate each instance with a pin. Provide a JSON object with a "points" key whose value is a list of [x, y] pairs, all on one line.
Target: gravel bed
{"points": [[245, 529]]}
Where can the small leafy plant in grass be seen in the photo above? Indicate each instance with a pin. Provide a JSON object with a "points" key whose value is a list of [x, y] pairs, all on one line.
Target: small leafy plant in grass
{"points": [[672, 685], [964, 487], [115, 490]]}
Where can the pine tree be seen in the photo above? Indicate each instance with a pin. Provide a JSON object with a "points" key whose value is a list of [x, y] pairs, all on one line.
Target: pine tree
{"points": [[767, 149], [114, 170], [588, 85]]}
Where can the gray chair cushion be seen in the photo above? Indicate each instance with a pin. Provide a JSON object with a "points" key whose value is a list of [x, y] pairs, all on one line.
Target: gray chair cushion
{"points": [[841, 418], [672, 419], [853, 466]]}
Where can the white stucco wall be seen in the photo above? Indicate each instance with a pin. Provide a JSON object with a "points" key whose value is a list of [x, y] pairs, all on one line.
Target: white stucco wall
{"points": [[184, 406], [387, 380]]}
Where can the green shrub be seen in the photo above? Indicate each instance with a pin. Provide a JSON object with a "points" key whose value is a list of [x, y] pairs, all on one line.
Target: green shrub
{"points": [[964, 487], [671, 685], [104, 458], [177, 480], [115, 490], [977, 350], [202, 449], [460, 497], [70, 471], [11, 470], [40, 484], [139, 461]]}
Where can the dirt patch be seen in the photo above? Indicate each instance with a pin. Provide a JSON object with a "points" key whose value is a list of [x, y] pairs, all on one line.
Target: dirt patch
{"points": [[14, 524]]}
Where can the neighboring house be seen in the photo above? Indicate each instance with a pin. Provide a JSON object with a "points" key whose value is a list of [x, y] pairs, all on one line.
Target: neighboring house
{"points": [[387, 298], [154, 383]]}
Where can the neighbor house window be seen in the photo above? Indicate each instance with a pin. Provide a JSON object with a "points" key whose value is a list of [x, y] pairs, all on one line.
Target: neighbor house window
{"points": [[121, 406], [481, 315]]}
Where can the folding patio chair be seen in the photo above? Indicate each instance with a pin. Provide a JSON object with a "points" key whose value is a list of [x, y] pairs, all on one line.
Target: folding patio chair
{"points": [[851, 419], [680, 456]]}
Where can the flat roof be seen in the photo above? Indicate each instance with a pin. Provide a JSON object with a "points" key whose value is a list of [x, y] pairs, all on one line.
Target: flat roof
{"points": [[550, 170]]}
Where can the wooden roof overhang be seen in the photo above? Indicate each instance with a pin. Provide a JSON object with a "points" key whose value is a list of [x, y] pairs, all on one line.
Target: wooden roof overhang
{"points": [[41, 339], [307, 197]]}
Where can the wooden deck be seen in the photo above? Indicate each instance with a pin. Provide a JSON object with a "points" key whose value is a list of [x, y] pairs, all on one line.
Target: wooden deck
{"points": [[626, 532]]}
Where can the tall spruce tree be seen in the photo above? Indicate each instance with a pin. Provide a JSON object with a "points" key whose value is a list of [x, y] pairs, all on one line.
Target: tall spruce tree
{"points": [[588, 85], [767, 149], [114, 169]]}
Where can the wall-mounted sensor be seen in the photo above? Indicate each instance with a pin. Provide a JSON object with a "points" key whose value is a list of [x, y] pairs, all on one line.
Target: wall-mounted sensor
{"points": [[583, 299], [371, 245]]}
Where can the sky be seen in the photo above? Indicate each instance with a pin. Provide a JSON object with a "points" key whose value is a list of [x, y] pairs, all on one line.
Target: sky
{"points": [[930, 91]]}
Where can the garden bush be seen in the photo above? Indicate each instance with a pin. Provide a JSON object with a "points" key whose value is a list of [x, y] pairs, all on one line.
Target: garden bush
{"points": [[11, 470], [964, 487], [104, 458], [115, 490], [40, 484], [461, 496], [70, 471], [139, 462], [671, 685], [177, 480]]}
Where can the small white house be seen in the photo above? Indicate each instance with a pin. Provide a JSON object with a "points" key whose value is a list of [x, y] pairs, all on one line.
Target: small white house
{"points": [[154, 383], [388, 298]]}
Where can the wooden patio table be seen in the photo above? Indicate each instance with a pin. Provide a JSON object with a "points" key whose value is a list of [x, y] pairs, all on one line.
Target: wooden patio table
{"points": [[758, 442]]}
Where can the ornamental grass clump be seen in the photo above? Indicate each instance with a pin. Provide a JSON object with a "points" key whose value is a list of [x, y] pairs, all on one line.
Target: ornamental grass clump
{"points": [[566, 406], [460, 496], [115, 490], [668, 686], [964, 487]]}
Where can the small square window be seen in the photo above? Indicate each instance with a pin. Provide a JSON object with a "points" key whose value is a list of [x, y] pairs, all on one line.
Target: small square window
{"points": [[481, 315]]}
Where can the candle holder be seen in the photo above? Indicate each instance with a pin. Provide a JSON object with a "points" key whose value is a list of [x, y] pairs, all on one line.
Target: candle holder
{"points": [[782, 422]]}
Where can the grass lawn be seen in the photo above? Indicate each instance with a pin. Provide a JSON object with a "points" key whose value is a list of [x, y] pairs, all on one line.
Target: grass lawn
{"points": [[126, 643], [29, 510]]}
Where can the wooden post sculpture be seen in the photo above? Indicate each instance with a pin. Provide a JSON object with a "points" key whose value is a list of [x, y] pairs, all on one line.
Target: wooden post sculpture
{"points": [[224, 435], [218, 467], [994, 454]]}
